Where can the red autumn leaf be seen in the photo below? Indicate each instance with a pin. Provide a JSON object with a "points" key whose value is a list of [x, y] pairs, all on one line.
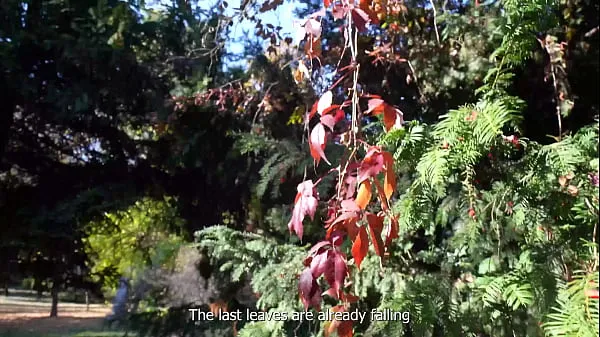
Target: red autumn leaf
{"points": [[319, 246], [309, 290], [389, 184], [374, 106], [346, 222], [327, 3], [342, 218], [331, 293], [313, 110], [364, 194], [349, 298], [375, 229], [305, 283], [330, 326], [391, 115], [337, 236], [371, 165], [370, 96], [328, 121], [332, 208], [360, 246], [306, 203], [340, 115], [340, 270], [364, 5], [345, 329], [335, 107], [330, 109], [317, 144], [360, 19], [336, 275], [319, 264]]}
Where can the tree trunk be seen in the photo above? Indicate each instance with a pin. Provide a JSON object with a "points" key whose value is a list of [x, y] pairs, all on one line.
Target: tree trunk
{"points": [[37, 286], [87, 301], [54, 294]]}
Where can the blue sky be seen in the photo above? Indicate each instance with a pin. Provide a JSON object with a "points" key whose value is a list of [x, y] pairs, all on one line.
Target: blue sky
{"points": [[283, 16]]}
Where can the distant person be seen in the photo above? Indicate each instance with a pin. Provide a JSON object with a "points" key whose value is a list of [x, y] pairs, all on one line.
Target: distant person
{"points": [[119, 309]]}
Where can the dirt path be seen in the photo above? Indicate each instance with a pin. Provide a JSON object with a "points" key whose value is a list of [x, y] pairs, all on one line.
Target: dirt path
{"points": [[31, 315]]}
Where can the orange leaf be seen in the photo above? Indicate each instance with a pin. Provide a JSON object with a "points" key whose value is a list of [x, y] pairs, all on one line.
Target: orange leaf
{"points": [[331, 326], [360, 246], [375, 228], [375, 106], [364, 194], [344, 328], [389, 116], [389, 184]]}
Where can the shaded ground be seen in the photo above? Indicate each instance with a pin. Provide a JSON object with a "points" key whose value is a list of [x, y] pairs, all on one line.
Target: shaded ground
{"points": [[22, 315]]}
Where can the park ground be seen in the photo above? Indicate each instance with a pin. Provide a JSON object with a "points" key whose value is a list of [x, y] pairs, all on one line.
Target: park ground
{"points": [[24, 315]]}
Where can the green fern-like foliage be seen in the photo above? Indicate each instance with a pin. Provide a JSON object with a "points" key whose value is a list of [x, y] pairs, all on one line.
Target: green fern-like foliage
{"points": [[493, 226], [575, 314], [271, 267]]}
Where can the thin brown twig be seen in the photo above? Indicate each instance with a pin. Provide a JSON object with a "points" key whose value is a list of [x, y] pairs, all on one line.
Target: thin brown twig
{"points": [[558, 116], [260, 108]]}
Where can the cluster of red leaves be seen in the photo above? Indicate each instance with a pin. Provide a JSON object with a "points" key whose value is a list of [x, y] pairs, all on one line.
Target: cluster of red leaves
{"points": [[348, 212], [331, 114], [391, 116], [360, 11], [311, 28], [343, 328], [305, 204], [350, 219]]}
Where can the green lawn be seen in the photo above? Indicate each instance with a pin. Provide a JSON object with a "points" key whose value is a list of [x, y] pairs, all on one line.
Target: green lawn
{"points": [[24, 315]]}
